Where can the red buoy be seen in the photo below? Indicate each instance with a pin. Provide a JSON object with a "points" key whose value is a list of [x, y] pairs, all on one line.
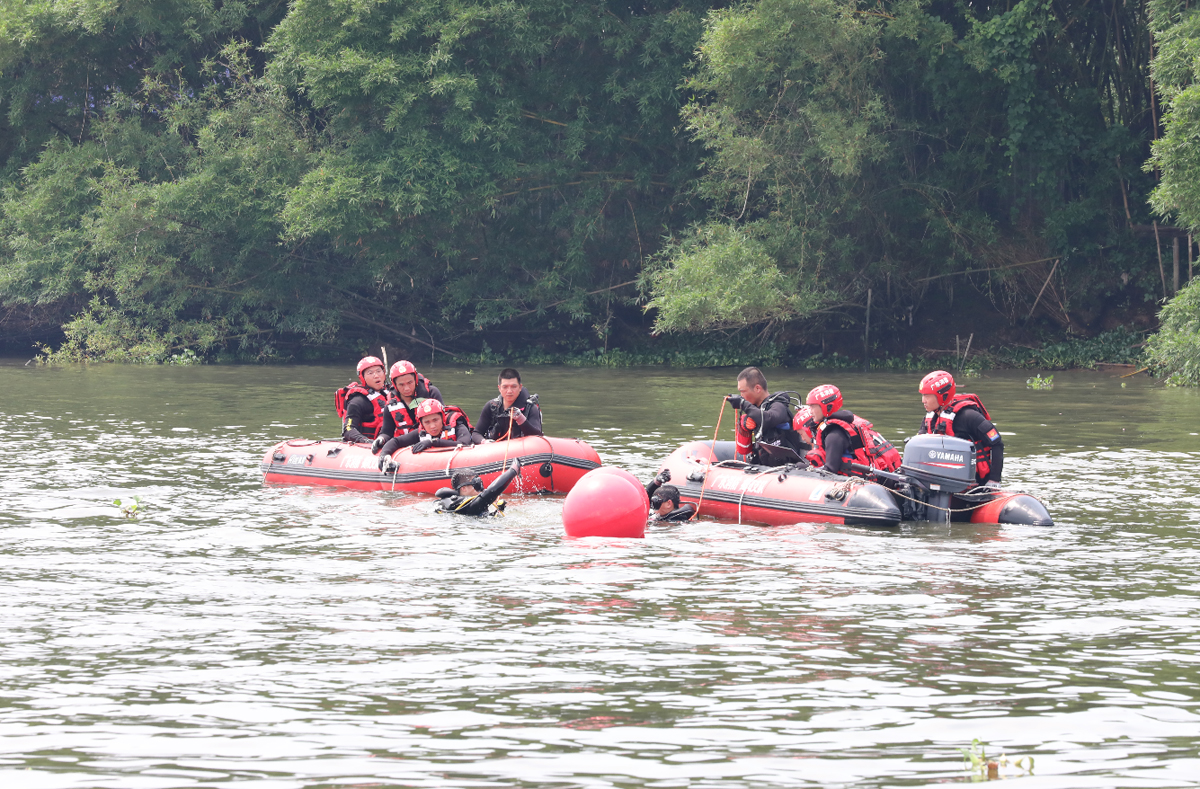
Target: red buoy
{"points": [[625, 475], [606, 502]]}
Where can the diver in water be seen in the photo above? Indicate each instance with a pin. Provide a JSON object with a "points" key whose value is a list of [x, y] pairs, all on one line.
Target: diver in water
{"points": [[664, 500], [469, 497]]}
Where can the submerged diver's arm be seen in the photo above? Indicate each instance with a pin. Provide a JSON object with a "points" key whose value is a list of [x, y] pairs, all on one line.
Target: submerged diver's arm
{"points": [[500, 483]]}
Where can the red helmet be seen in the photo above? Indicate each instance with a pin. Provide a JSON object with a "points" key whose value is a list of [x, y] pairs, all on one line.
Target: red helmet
{"points": [[402, 367], [803, 420], [366, 363], [428, 407], [939, 383], [826, 398]]}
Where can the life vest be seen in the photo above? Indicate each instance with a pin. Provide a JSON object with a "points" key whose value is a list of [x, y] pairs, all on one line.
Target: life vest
{"points": [[942, 423], [452, 415], [743, 434], [402, 414], [867, 447], [378, 402]]}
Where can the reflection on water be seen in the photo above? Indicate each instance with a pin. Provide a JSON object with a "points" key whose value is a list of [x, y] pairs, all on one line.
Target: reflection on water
{"points": [[290, 637]]}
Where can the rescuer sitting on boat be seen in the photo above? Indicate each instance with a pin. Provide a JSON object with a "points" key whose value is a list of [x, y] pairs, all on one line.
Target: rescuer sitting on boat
{"points": [[466, 498], [408, 389], [963, 416], [806, 428], [764, 429], [441, 426], [362, 405], [664, 500], [513, 414], [842, 437]]}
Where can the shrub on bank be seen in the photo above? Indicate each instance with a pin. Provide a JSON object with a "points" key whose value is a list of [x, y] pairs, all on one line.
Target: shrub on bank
{"points": [[1175, 351]]}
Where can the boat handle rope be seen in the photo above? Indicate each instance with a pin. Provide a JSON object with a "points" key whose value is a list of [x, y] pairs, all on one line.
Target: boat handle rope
{"points": [[949, 510], [744, 486]]}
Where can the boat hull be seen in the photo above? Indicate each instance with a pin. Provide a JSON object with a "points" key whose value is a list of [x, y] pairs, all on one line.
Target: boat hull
{"points": [[775, 496], [779, 496], [548, 464]]}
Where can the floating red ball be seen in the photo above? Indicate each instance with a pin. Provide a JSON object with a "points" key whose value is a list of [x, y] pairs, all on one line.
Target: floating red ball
{"points": [[606, 502]]}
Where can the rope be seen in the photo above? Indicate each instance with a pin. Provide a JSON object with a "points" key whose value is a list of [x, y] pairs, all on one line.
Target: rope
{"points": [[711, 457], [507, 438], [743, 496]]}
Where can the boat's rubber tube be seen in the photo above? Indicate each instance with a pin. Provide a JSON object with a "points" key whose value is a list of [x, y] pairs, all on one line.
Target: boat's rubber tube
{"points": [[774, 496], [548, 464], [1013, 508]]}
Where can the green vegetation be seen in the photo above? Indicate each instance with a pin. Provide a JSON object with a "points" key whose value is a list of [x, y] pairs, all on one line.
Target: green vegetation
{"points": [[976, 762], [1175, 351], [132, 509], [1040, 382], [198, 180]]}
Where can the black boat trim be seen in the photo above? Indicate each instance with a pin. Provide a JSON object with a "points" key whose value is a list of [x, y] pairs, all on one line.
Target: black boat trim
{"points": [[855, 514], [427, 475]]}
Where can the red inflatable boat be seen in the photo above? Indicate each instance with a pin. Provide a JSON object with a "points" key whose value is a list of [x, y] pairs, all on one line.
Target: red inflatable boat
{"points": [[931, 488], [775, 496], [548, 465]]}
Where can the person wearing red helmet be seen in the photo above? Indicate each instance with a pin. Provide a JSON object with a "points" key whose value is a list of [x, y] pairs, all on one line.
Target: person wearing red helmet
{"points": [[765, 420], [806, 427], [409, 388], [362, 405], [440, 426], [963, 416], [842, 437]]}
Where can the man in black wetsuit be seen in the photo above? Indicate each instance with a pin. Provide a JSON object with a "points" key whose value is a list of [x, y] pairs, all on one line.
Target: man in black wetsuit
{"points": [[768, 418], [465, 497], [963, 416], [664, 500], [514, 406]]}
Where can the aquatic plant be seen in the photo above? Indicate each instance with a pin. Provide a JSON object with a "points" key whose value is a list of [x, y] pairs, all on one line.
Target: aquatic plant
{"points": [[131, 509], [1040, 382], [976, 762]]}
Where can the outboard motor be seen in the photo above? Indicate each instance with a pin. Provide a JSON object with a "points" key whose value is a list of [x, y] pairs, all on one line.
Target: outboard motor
{"points": [[943, 465]]}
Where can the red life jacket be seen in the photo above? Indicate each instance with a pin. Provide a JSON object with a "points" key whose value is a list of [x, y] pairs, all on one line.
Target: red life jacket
{"points": [[402, 415], [378, 399], [452, 415], [942, 423], [867, 447]]}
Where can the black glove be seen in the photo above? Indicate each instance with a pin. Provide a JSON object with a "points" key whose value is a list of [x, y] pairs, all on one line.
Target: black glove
{"points": [[518, 416], [734, 400], [377, 444], [387, 465], [425, 443], [663, 477]]}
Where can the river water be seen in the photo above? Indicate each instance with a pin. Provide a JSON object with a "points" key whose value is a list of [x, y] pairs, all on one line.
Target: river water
{"points": [[301, 637]]}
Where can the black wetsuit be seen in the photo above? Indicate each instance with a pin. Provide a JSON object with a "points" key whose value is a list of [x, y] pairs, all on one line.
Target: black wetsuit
{"points": [[493, 422], [683, 512], [359, 410], [480, 504], [776, 427], [972, 425]]}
